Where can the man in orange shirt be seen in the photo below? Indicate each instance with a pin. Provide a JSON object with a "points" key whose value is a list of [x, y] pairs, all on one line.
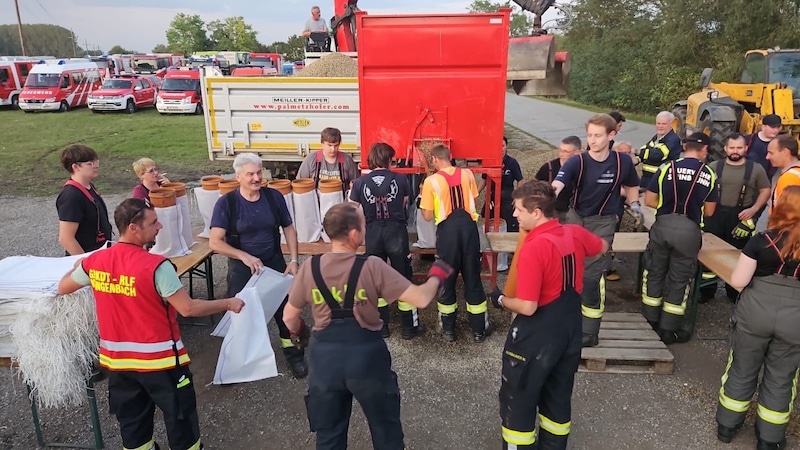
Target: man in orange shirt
{"points": [[448, 197], [782, 154]]}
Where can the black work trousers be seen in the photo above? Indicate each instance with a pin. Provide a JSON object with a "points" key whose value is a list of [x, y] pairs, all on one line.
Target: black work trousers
{"points": [[347, 361], [458, 244], [506, 213], [389, 240], [540, 358], [133, 397], [238, 276]]}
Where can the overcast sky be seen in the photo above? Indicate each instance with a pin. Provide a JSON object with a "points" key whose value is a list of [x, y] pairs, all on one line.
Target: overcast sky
{"points": [[143, 26]]}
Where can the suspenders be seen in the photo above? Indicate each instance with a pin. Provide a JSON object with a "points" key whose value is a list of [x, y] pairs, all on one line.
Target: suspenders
{"points": [[748, 172], [782, 269], [381, 195], [344, 311], [566, 246], [675, 188], [455, 189]]}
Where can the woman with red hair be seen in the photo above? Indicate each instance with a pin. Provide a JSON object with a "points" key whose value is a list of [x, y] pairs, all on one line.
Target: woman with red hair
{"points": [[765, 329]]}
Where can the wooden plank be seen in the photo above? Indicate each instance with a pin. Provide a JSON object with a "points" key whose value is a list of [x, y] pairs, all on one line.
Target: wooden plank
{"points": [[712, 242], [657, 368], [6, 362], [200, 251], [623, 317], [607, 325], [620, 343], [721, 262], [629, 335], [627, 354], [623, 242]]}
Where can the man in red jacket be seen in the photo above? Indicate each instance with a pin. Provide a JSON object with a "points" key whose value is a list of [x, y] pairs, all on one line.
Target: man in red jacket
{"points": [[137, 295]]}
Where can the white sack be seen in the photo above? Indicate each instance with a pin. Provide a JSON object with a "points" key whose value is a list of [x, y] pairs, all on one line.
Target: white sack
{"points": [[307, 219], [290, 205], [326, 202], [426, 232], [205, 204], [246, 353], [185, 220], [169, 241]]}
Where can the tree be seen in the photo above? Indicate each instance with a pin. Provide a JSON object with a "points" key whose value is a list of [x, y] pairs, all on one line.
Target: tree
{"points": [[521, 23], [187, 34], [161, 48], [118, 49], [295, 48], [232, 33]]}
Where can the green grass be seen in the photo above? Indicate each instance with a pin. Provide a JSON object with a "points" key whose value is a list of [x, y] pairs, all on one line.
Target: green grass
{"points": [[597, 109], [32, 144]]}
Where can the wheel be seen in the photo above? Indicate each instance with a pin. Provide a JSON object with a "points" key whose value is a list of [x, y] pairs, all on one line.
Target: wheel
{"points": [[94, 111], [15, 102], [130, 107], [717, 131], [64, 107], [199, 109], [679, 122]]}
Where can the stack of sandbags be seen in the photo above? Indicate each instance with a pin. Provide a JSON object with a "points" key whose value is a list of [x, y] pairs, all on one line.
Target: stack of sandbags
{"points": [[330, 193], [54, 338], [184, 214], [285, 188]]}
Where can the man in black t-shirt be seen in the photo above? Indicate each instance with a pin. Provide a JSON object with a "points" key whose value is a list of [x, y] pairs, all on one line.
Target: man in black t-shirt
{"points": [[383, 195], [681, 192], [512, 174], [570, 146], [83, 224], [758, 142]]}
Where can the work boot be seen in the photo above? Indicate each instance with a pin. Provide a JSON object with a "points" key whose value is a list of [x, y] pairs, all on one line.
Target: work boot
{"points": [[764, 445], [479, 337], [674, 337], [448, 324], [411, 333], [385, 331], [298, 367], [653, 325], [726, 434], [384, 314], [612, 275], [590, 340]]}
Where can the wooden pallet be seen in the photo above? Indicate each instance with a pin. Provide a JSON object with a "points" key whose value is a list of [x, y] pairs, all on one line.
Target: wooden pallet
{"points": [[627, 345]]}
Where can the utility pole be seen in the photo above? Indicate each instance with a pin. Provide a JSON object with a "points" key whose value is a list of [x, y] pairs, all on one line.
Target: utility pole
{"points": [[74, 51], [19, 26]]}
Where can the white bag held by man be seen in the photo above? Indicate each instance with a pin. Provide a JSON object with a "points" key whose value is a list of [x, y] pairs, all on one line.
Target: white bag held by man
{"points": [[246, 353]]}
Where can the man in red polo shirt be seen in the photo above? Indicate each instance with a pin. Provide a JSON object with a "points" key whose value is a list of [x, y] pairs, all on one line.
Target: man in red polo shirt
{"points": [[543, 347]]}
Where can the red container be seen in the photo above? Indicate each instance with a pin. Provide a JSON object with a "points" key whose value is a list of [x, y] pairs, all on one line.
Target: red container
{"points": [[434, 78]]}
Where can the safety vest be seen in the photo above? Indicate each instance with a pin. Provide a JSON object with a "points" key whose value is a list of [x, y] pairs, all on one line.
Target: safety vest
{"points": [[138, 329], [653, 154]]}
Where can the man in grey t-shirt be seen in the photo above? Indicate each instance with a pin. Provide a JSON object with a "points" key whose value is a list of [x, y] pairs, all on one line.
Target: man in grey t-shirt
{"points": [[315, 24], [329, 163]]}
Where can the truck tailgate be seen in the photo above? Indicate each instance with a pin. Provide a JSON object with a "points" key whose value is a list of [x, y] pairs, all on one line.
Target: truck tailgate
{"points": [[279, 119]]}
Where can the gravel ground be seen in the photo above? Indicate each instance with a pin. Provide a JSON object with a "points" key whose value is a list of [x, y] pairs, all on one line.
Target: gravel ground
{"points": [[449, 390]]}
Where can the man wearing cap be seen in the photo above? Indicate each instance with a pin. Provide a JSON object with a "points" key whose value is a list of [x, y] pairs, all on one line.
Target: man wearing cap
{"points": [[757, 143], [664, 146], [743, 192], [681, 192]]}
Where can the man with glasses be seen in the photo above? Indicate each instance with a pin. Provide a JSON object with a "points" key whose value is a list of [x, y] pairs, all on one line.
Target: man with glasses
{"points": [[383, 195], [138, 294], [82, 214], [570, 146], [151, 178]]}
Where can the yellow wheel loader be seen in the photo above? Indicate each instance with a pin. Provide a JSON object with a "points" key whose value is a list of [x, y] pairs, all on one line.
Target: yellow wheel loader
{"points": [[770, 84]]}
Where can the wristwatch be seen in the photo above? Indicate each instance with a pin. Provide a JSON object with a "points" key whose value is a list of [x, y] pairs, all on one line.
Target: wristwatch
{"points": [[292, 261], [500, 300]]}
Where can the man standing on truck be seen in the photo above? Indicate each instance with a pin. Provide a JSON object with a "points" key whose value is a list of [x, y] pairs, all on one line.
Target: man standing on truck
{"points": [[329, 163], [448, 197], [598, 176]]}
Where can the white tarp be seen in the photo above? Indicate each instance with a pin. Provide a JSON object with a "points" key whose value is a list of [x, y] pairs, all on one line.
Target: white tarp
{"points": [[246, 353], [205, 204]]}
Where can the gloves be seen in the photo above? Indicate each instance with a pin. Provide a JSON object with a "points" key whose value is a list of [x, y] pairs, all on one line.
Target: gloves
{"points": [[636, 208], [744, 229], [301, 337], [418, 201], [496, 297], [441, 271]]}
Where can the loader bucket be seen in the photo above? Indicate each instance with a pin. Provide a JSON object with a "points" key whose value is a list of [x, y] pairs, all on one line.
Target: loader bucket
{"points": [[535, 68]]}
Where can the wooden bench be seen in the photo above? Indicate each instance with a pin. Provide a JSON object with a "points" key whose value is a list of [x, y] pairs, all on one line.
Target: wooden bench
{"points": [[190, 265]]}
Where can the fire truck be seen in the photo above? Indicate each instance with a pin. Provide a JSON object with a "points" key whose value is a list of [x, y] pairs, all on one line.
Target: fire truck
{"points": [[59, 85], [13, 73]]}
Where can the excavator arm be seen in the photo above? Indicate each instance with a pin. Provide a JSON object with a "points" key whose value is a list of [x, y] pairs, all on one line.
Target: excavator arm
{"points": [[343, 25]]}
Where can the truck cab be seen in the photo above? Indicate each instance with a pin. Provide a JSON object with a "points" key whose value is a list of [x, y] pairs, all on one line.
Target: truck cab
{"points": [[180, 92], [13, 74]]}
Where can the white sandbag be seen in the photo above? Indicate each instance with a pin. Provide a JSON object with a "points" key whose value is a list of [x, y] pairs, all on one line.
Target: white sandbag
{"points": [[246, 353], [169, 241], [290, 205], [307, 219], [326, 201], [205, 204], [426, 232], [185, 220]]}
